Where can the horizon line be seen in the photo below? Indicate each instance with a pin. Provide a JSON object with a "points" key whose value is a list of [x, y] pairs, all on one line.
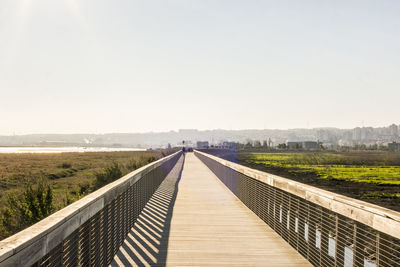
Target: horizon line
{"points": [[199, 130]]}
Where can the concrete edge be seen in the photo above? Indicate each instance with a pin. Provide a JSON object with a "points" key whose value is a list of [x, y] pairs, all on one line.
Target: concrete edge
{"points": [[382, 219], [50, 231]]}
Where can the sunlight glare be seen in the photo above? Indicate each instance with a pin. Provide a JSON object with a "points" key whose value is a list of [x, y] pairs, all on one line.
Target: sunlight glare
{"points": [[76, 11]]}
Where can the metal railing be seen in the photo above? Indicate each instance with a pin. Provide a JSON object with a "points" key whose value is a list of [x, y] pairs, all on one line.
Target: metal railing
{"points": [[90, 231], [326, 228]]}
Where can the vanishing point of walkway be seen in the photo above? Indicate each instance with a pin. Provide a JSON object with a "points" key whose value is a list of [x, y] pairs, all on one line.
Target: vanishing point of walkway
{"points": [[193, 219]]}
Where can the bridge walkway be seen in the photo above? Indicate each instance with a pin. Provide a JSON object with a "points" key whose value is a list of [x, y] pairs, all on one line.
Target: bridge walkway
{"points": [[194, 220]]}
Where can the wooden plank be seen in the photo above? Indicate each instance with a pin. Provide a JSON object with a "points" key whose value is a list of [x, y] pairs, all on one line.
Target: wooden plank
{"points": [[201, 223]]}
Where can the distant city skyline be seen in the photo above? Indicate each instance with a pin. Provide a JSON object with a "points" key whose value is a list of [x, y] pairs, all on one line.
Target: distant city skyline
{"points": [[197, 129], [70, 131], [328, 137], [121, 66]]}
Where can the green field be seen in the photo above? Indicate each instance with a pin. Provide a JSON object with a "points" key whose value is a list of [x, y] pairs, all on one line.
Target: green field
{"points": [[381, 169], [370, 176]]}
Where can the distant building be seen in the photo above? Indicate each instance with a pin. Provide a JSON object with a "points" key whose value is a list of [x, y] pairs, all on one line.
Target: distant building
{"points": [[202, 144], [303, 144], [366, 133], [229, 145], [394, 130], [357, 134], [294, 145], [310, 145]]}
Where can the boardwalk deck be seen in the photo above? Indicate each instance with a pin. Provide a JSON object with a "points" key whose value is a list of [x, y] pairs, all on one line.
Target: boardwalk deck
{"points": [[194, 220]]}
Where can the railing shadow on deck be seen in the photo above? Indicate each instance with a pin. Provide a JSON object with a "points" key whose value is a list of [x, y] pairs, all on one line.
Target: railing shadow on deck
{"points": [[147, 242]]}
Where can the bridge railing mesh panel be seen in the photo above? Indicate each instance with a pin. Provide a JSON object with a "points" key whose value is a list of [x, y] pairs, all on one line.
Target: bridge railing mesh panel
{"points": [[323, 237], [97, 240]]}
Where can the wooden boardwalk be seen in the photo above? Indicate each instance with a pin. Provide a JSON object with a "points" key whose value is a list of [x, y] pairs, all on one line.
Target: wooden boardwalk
{"points": [[194, 220]]}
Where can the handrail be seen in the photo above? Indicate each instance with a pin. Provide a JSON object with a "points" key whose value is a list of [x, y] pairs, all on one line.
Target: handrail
{"points": [[326, 228], [379, 218], [35, 242]]}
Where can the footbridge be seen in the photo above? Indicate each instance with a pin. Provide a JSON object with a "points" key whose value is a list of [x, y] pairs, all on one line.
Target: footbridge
{"points": [[200, 210]]}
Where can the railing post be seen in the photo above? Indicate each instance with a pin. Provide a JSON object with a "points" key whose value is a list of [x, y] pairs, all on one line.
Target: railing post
{"points": [[308, 232], [355, 243], [336, 237], [378, 249], [288, 219]]}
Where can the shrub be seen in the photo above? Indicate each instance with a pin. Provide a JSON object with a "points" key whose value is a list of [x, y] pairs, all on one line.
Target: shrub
{"points": [[109, 174], [140, 162], [151, 159], [132, 165], [66, 165], [84, 188], [34, 204]]}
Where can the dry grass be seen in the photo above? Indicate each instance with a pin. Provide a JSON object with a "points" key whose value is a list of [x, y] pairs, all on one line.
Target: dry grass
{"points": [[70, 175], [64, 171]]}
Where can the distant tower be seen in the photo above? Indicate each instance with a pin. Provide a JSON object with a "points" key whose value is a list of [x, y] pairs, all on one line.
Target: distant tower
{"points": [[394, 131]]}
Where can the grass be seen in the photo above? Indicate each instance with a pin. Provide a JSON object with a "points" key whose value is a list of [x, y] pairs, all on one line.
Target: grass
{"points": [[70, 175], [372, 176], [374, 168]]}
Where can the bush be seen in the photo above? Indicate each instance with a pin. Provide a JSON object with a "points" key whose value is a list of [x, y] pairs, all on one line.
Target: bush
{"points": [[151, 159], [34, 204], [109, 174], [74, 195], [140, 162], [84, 188], [66, 165], [132, 165]]}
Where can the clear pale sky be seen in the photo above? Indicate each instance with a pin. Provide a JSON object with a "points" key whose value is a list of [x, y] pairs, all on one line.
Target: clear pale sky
{"points": [[97, 66]]}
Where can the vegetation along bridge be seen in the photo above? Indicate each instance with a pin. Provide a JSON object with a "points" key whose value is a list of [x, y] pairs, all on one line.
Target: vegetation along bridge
{"points": [[198, 209]]}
